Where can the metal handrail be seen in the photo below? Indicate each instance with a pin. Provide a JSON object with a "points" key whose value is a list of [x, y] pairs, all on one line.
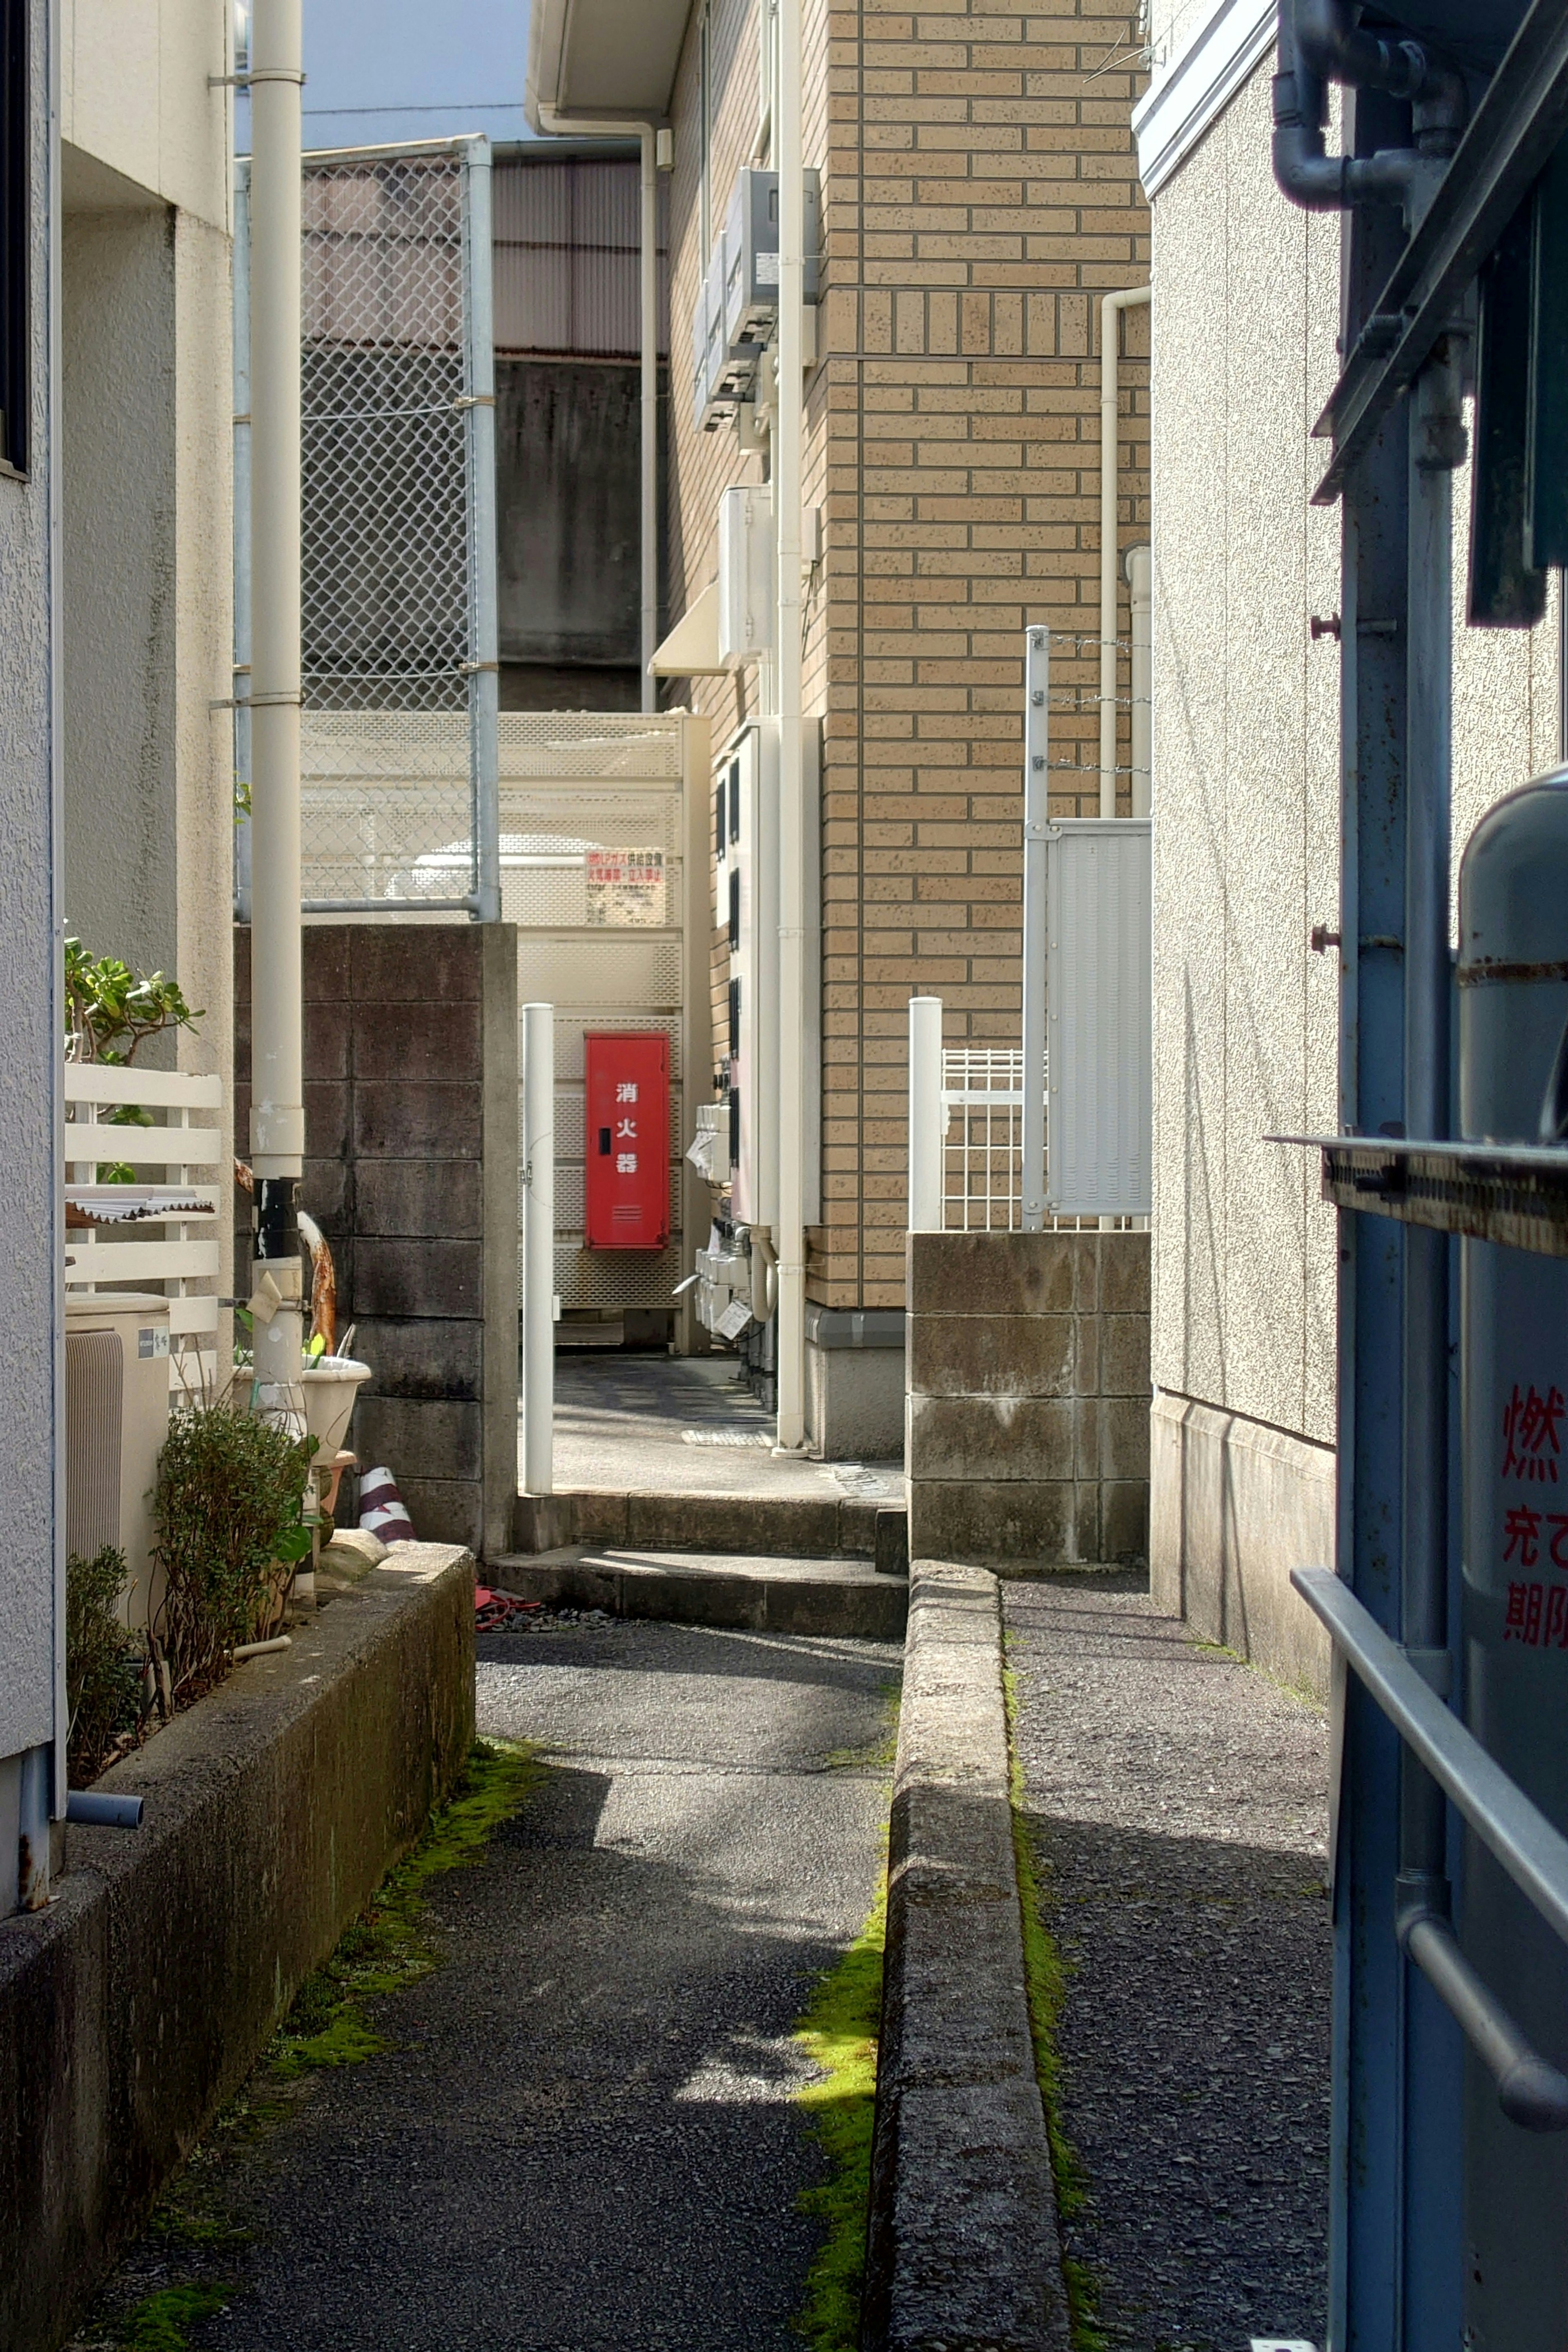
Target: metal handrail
{"points": [[1535, 1855]]}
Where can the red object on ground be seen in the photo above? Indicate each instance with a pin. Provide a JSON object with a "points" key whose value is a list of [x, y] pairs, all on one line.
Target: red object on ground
{"points": [[492, 1608], [627, 1138]]}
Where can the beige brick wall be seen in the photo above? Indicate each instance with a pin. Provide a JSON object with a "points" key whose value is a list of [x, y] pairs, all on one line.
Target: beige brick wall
{"points": [[980, 192]]}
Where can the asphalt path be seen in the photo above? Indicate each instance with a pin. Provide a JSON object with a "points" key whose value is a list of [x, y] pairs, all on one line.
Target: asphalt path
{"points": [[585, 2136], [1178, 1804]]}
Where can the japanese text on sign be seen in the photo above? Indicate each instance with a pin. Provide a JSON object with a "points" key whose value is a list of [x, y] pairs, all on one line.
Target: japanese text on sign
{"points": [[626, 887]]}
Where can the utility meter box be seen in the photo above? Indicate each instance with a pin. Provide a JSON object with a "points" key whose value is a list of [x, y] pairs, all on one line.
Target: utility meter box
{"points": [[627, 1105], [750, 256], [745, 574]]}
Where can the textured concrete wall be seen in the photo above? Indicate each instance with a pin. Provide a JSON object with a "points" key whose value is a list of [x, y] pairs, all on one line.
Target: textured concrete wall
{"points": [[1246, 714], [136, 2002], [568, 474], [411, 1171], [1028, 1397], [135, 97], [30, 1241]]}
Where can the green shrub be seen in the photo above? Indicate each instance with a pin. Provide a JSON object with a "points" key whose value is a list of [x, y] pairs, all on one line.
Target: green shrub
{"points": [[104, 1664], [227, 1509]]}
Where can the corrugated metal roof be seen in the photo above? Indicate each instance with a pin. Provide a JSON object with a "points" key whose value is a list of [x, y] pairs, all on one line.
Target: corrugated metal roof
{"points": [[565, 232]]}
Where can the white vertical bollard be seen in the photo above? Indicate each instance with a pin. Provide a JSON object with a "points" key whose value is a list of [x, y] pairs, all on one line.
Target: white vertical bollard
{"points": [[927, 1135], [1037, 819], [539, 1248]]}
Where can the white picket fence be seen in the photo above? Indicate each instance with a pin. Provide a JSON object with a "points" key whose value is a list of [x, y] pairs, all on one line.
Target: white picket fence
{"points": [[158, 1236]]}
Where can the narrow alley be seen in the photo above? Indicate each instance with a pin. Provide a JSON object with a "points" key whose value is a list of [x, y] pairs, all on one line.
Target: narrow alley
{"points": [[582, 2135]]}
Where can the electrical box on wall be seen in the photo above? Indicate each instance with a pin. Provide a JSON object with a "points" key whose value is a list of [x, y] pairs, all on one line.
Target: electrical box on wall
{"points": [[745, 574], [627, 1138], [746, 824], [1098, 1000], [750, 256]]}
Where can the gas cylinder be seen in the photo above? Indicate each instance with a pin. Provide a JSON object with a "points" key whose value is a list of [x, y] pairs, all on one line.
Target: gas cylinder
{"points": [[1512, 1010]]}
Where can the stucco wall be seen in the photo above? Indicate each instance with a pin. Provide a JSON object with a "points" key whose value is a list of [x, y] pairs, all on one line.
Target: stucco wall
{"points": [[1246, 766], [29, 1045], [135, 94]]}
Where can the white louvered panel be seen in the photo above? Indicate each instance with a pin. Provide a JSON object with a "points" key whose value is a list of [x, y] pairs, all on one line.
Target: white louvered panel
{"points": [[140, 1262], [100, 1082], [153, 1147], [1099, 1004]]}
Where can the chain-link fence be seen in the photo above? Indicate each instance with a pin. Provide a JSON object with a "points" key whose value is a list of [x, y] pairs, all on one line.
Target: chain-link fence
{"points": [[398, 724]]}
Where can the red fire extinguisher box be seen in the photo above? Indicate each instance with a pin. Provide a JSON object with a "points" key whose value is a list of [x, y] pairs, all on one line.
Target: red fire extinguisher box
{"points": [[627, 1138]]}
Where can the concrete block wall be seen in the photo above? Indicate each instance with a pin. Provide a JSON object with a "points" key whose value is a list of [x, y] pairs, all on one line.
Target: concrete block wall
{"points": [[1028, 1398], [411, 1171]]}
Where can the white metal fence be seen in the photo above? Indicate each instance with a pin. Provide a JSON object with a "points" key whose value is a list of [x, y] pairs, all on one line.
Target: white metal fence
{"points": [[398, 723], [157, 1234]]}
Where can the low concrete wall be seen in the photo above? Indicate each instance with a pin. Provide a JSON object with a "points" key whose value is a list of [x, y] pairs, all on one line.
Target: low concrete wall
{"points": [[1028, 1398], [1234, 1506], [964, 2246], [136, 2004]]}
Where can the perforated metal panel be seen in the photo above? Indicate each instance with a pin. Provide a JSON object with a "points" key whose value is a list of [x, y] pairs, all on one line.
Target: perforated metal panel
{"points": [[602, 746], [585, 1277], [570, 1025]]}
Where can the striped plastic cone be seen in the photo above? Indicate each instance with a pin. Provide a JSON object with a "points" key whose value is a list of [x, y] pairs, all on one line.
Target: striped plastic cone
{"points": [[382, 1510]]}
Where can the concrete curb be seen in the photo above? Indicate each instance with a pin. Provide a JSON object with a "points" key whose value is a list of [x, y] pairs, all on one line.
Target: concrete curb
{"points": [[793, 1527], [136, 2002], [964, 2252], [844, 1598]]}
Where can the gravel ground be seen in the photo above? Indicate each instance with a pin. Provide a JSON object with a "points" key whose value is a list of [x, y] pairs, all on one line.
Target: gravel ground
{"points": [[1178, 1804], [584, 2137]]}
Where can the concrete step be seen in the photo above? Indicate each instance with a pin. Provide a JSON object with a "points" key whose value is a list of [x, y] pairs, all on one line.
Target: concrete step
{"points": [[760, 1594], [781, 1527]]}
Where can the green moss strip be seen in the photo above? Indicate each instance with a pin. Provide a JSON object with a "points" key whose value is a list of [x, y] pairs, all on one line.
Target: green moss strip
{"points": [[159, 2324], [1044, 1983], [386, 1947], [839, 2034]]}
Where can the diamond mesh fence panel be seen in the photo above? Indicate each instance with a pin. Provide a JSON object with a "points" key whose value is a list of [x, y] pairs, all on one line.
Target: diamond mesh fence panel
{"points": [[397, 724]]}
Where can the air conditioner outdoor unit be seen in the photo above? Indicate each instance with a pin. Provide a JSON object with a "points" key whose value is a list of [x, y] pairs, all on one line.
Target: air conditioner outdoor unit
{"points": [[117, 1416], [745, 574]]}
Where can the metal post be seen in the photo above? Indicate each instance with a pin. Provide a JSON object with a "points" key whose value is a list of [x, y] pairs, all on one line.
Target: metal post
{"points": [[927, 1137], [539, 1248], [787, 459], [479, 370], [648, 290], [1125, 298], [278, 1116], [1037, 813], [1140, 570], [242, 533]]}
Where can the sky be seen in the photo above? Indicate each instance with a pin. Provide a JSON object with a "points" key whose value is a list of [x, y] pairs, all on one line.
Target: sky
{"points": [[405, 70]]}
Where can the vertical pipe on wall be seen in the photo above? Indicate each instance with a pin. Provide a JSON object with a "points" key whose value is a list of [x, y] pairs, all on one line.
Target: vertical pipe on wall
{"points": [[241, 266], [276, 1116], [1140, 569], [1125, 298], [539, 1248], [648, 279], [788, 437], [1037, 816], [927, 1138]]}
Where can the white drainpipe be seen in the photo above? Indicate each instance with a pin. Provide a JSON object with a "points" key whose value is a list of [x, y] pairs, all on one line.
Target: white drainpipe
{"points": [[277, 1115], [556, 119], [788, 435], [1125, 298]]}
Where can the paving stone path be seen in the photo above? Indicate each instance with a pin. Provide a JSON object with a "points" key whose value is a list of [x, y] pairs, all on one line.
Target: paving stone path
{"points": [[584, 2137], [1178, 1803]]}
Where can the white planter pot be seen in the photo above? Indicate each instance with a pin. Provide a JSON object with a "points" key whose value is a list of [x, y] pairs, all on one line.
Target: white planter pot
{"points": [[331, 1385]]}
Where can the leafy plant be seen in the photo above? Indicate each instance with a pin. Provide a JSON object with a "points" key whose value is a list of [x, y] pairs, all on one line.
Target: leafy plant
{"points": [[112, 1010], [104, 1664], [227, 1506]]}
